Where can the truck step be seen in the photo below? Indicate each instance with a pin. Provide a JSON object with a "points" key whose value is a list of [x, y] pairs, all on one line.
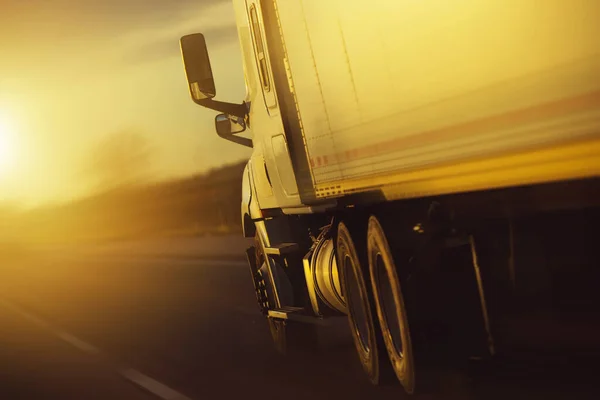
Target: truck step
{"points": [[294, 314], [282, 249], [285, 312]]}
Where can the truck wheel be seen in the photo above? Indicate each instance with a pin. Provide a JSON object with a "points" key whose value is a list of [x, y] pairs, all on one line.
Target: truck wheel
{"points": [[361, 313], [390, 306], [287, 336]]}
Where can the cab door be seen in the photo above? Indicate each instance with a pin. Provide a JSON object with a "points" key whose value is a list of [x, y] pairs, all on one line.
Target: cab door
{"points": [[271, 160]]}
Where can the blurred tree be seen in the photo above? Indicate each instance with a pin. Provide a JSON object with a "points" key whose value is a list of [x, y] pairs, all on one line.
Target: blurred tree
{"points": [[120, 159]]}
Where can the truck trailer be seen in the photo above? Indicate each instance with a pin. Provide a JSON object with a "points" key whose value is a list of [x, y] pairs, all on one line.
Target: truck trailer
{"points": [[428, 169]]}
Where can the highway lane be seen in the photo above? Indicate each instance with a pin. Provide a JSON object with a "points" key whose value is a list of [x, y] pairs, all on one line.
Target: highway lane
{"points": [[192, 324], [35, 365]]}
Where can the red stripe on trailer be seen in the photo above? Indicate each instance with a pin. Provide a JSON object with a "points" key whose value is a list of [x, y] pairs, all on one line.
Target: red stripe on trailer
{"points": [[561, 107]]}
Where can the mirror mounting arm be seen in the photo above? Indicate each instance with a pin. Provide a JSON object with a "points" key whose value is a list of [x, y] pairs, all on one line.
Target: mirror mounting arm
{"points": [[237, 139], [237, 110]]}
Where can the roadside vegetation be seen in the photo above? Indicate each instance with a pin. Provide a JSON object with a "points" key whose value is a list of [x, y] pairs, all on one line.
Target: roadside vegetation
{"points": [[198, 205]]}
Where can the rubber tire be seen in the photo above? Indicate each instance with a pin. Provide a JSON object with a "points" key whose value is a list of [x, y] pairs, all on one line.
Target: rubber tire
{"points": [[396, 319], [373, 359]]}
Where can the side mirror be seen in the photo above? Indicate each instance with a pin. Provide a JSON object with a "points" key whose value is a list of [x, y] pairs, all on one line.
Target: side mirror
{"points": [[197, 67], [227, 126]]}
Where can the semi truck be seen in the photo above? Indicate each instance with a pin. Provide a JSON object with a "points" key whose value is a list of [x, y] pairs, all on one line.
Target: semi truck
{"points": [[427, 169]]}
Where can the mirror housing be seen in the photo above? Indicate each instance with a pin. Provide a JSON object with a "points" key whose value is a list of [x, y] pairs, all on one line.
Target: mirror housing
{"points": [[227, 126], [198, 72], [197, 67]]}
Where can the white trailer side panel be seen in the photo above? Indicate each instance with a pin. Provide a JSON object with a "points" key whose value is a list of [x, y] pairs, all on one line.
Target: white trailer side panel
{"points": [[388, 89]]}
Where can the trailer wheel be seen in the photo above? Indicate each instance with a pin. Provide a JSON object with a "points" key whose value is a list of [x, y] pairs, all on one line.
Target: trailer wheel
{"points": [[390, 306], [361, 313]]}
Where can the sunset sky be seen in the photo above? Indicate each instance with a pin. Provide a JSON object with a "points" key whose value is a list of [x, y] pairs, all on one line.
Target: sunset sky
{"points": [[73, 72]]}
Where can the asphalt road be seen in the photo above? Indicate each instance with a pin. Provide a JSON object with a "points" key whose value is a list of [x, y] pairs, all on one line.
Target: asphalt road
{"points": [[179, 318]]}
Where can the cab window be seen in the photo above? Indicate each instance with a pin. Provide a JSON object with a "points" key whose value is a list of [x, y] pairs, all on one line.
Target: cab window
{"points": [[260, 49]]}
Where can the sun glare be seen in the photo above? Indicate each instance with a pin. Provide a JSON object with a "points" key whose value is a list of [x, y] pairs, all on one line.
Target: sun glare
{"points": [[7, 144]]}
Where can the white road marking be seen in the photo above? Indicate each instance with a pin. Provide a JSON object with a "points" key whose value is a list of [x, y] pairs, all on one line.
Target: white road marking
{"points": [[31, 318], [76, 342], [153, 386]]}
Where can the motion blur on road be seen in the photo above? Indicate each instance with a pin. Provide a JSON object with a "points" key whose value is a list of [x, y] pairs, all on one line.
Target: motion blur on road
{"points": [[182, 312], [299, 199]]}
